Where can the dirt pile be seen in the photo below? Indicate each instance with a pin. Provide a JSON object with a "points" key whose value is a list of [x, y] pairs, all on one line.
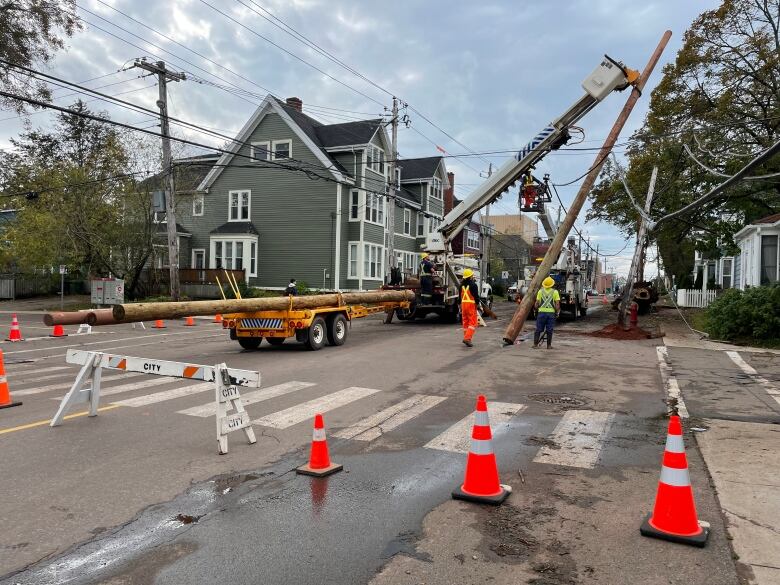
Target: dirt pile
{"points": [[614, 331]]}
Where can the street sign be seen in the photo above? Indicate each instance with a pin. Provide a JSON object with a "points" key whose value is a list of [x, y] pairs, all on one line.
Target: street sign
{"points": [[63, 269], [505, 274]]}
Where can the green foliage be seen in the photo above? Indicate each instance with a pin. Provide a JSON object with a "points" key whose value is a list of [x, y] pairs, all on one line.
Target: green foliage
{"points": [[720, 100], [750, 314], [498, 290], [30, 34]]}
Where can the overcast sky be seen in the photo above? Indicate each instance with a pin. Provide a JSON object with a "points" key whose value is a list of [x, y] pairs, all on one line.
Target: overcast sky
{"points": [[490, 74]]}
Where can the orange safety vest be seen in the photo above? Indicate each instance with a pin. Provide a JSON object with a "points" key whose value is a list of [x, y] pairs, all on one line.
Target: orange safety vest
{"points": [[465, 295]]}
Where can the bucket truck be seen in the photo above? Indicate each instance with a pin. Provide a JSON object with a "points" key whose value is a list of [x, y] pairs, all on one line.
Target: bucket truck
{"points": [[610, 75]]}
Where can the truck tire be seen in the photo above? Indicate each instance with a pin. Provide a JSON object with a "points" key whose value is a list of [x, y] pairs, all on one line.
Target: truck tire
{"points": [[583, 311], [275, 340], [337, 329], [316, 334], [250, 342]]}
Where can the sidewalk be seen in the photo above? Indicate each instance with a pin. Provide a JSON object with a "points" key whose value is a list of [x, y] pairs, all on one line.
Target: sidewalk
{"points": [[37, 305]]}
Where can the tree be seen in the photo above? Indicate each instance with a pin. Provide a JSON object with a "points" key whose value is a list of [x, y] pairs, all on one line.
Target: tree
{"points": [[31, 31], [78, 201], [716, 105]]}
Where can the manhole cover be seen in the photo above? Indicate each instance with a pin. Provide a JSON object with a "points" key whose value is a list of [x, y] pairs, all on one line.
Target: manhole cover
{"points": [[562, 399]]}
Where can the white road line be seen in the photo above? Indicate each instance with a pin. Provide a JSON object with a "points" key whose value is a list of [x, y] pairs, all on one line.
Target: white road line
{"points": [[166, 395], [306, 411], [21, 379], [673, 391], [374, 426], [754, 375], [98, 342], [64, 385], [457, 438], [209, 409], [580, 437], [14, 373], [150, 383]]}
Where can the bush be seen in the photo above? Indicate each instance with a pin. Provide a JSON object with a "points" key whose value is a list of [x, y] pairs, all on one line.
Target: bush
{"points": [[499, 290], [753, 313]]}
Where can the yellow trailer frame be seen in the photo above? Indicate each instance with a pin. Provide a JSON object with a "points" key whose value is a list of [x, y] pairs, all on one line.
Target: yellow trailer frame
{"points": [[312, 327]]}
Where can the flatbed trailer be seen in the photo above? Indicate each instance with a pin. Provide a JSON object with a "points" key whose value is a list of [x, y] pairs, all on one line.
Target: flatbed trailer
{"points": [[311, 327]]}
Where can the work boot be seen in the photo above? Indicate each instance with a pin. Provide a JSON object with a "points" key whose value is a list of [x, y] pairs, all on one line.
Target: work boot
{"points": [[549, 340], [468, 343], [536, 340]]}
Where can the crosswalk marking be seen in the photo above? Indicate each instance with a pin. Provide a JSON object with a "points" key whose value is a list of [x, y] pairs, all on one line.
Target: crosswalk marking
{"points": [[457, 438], [64, 385], [208, 409], [305, 411], [150, 383], [12, 372], [753, 375], [26, 380], [166, 395], [579, 437], [374, 426]]}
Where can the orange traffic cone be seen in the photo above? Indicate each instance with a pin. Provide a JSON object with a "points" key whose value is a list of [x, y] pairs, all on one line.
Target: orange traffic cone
{"points": [[319, 464], [16, 333], [217, 318], [604, 300], [5, 394], [189, 322], [674, 514], [58, 332], [481, 482], [158, 324]]}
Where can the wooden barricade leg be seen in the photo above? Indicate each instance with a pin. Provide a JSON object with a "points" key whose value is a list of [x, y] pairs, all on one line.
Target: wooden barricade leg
{"points": [[228, 398], [77, 395]]}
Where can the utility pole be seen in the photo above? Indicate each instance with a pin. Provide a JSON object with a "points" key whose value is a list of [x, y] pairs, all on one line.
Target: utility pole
{"points": [[164, 75], [392, 260], [628, 290], [484, 267]]}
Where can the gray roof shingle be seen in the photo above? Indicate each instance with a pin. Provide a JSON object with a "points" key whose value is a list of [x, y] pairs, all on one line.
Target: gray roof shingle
{"points": [[419, 168], [236, 227]]}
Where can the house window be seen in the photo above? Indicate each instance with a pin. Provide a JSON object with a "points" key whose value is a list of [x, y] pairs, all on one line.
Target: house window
{"points": [[433, 224], [199, 259], [354, 205], [408, 221], [726, 278], [435, 189], [239, 205], [407, 261], [372, 261], [375, 208], [197, 205], [237, 253], [282, 149], [420, 224], [472, 239], [260, 151], [382, 161], [375, 159], [768, 259], [352, 260]]}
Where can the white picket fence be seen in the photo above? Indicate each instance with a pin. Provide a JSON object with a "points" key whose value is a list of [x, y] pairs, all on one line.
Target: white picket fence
{"points": [[695, 297]]}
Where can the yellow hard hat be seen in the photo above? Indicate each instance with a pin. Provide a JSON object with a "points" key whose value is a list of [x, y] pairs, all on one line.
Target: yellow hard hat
{"points": [[424, 255], [548, 282], [468, 273]]}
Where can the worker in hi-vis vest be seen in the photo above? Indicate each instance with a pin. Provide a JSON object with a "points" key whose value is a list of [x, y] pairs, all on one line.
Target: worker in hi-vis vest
{"points": [[548, 307], [426, 279], [469, 298]]}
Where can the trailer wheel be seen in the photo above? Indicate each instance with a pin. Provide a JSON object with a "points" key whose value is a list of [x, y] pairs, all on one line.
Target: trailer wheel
{"points": [[337, 329], [250, 342], [275, 340], [316, 334]]}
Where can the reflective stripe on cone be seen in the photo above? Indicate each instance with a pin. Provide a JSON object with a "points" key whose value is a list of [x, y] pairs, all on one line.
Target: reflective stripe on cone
{"points": [[319, 464]]}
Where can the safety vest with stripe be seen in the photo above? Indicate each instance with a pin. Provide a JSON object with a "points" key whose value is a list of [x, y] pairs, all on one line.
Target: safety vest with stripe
{"points": [[547, 296], [465, 295], [425, 268]]}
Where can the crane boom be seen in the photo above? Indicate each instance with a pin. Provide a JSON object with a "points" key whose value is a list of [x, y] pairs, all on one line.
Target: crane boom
{"points": [[607, 77]]}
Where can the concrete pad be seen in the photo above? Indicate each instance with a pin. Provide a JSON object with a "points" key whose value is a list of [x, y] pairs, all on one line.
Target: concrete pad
{"points": [[744, 462]]}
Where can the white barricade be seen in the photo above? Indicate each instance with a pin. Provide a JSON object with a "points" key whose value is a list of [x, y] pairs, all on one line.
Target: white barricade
{"points": [[86, 387]]}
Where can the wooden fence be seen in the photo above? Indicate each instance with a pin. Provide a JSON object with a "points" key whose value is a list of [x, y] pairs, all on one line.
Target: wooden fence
{"points": [[695, 297]]}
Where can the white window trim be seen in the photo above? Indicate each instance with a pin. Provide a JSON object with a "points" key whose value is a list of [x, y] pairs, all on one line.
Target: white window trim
{"points": [[246, 240], [360, 205], [420, 223], [407, 212], [202, 199], [380, 259], [249, 206], [375, 160], [475, 235], [192, 258], [353, 275], [288, 142], [265, 145], [381, 209]]}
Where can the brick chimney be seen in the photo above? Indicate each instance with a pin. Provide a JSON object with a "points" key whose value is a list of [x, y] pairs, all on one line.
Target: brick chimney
{"points": [[295, 102], [449, 194]]}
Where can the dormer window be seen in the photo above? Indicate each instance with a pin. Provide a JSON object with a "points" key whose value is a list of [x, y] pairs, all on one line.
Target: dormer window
{"points": [[375, 159]]}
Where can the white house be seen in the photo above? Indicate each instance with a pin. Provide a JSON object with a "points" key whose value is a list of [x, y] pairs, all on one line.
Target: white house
{"points": [[759, 258]]}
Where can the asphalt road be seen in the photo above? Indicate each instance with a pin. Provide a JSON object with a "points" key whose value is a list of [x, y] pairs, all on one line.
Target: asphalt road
{"points": [[139, 495]]}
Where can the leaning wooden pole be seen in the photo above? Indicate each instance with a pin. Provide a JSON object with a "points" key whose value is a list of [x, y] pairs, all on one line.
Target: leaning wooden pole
{"points": [[522, 312]]}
